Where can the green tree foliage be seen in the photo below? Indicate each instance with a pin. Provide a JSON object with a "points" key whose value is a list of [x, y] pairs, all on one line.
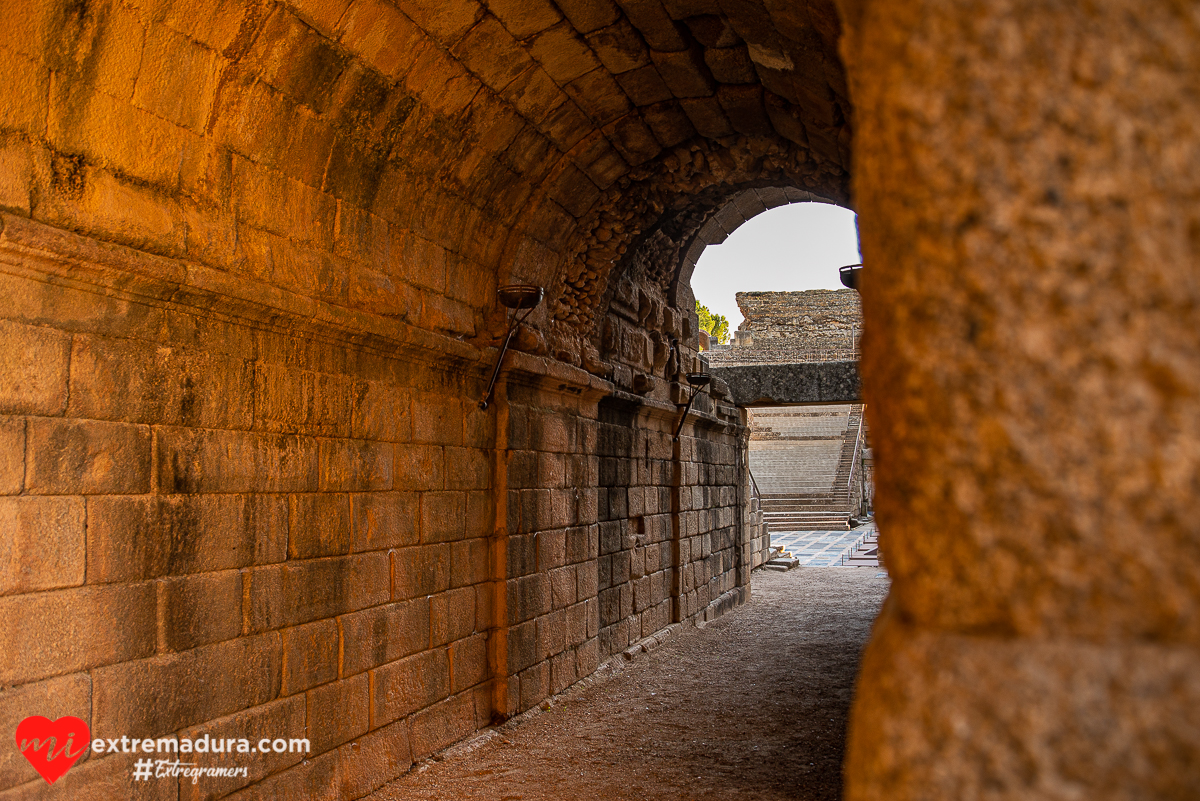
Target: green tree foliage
{"points": [[715, 324]]}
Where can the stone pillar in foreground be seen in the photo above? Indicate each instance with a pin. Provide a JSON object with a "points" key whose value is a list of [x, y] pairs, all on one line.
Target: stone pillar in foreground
{"points": [[1027, 177]]}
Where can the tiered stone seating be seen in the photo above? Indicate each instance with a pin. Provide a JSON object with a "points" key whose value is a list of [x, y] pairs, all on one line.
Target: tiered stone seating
{"points": [[801, 459]]}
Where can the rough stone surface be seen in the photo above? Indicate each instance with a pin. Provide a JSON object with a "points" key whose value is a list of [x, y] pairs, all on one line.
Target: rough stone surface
{"points": [[773, 384], [1030, 367], [348, 529], [1093, 720], [817, 325], [753, 706], [792, 347]]}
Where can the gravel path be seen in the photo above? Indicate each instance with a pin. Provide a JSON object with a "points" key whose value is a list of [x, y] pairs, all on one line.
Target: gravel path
{"points": [[751, 707]]}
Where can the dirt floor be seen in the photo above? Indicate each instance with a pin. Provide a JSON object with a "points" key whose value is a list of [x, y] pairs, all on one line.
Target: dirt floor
{"points": [[753, 706]]}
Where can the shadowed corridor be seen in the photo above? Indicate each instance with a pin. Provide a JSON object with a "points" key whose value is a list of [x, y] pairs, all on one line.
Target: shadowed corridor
{"points": [[753, 706]]}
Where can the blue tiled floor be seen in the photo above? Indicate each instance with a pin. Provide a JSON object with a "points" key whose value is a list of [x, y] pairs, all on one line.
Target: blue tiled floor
{"points": [[819, 548]]}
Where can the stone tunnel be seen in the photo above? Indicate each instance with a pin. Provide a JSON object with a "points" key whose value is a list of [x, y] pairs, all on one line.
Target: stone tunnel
{"points": [[250, 253]]}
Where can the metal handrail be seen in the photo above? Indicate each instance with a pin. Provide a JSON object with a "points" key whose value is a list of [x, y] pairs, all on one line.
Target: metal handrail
{"points": [[857, 443], [754, 484]]}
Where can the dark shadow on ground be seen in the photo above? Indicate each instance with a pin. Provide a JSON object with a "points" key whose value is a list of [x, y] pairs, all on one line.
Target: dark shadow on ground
{"points": [[754, 706]]}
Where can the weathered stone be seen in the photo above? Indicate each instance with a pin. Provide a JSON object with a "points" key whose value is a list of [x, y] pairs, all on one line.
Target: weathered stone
{"points": [[302, 591], [997, 403], [53, 698], [34, 370], [192, 460], [128, 700], [644, 86], [684, 72], [78, 629], [282, 718], [115, 379], [403, 687], [43, 544], [383, 634], [810, 382], [198, 610], [421, 570], [134, 537], [523, 19], [563, 54], [310, 656], [816, 325], [384, 520], [338, 712], [178, 78], [619, 47], [439, 726]]}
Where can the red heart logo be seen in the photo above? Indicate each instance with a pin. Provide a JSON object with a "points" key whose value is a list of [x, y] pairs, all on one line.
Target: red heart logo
{"points": [[49, 745]]}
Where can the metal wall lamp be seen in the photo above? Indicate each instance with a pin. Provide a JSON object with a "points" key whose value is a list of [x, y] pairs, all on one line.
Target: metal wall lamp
{"points": [[698, 381], [849, 275], [514, 297]]}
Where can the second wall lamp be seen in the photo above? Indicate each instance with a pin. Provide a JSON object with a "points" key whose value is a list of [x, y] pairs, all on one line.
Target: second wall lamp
{"points": [[517, 298], [698, 382]]}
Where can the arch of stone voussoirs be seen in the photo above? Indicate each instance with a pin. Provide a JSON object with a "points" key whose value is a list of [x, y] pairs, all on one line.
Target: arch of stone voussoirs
{"points": [[737, 211], [402, 157]]}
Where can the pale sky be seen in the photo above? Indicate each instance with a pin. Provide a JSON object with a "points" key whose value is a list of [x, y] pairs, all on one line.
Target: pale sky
{"points": [[798, 246]]}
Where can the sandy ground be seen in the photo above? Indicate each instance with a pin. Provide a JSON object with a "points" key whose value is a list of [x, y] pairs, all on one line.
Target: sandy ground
{"points": [[753, 706]]}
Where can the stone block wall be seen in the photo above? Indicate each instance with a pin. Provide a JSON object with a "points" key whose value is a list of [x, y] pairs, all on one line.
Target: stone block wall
{"points": [[715, 548], [757, 533], [638, 553], [229, 522], [613, 532], [551, 548], [221, 517]]}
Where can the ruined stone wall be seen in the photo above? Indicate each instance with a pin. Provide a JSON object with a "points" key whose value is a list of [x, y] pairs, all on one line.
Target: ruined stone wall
{"points": [[816, 325]]}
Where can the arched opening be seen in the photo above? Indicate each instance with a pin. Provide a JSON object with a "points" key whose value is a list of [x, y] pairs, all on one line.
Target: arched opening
{"points": [[821, 235], [806, 481], [792, 247], [808, 464]]}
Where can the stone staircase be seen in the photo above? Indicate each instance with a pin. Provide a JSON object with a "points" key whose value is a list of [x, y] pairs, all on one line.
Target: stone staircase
{"points": [[801, 459]]}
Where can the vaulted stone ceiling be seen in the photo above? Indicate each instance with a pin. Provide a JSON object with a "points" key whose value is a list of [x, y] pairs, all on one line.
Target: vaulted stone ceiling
{"points": [[404, 157]]}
